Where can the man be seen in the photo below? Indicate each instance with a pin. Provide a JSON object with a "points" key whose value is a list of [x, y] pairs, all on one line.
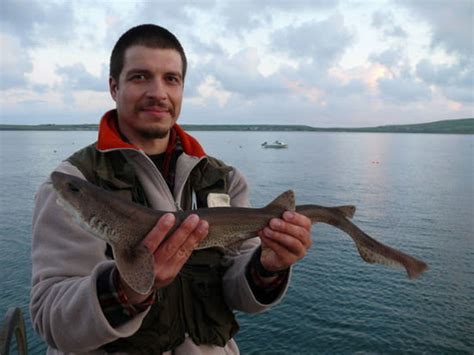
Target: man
{"points": [[79, 302]]}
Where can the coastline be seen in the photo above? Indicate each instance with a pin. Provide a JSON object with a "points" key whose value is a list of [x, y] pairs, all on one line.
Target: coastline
{"points": [[457, 126]]}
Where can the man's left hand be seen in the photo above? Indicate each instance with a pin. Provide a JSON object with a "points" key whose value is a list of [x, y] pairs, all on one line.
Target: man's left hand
{"points": [[285, 241]]}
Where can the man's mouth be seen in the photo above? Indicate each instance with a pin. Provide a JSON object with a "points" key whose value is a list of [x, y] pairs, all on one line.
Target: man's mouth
{"points": [[157, 109]]}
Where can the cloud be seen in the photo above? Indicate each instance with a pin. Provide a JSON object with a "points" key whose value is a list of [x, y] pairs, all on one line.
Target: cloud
{"points": [[201, 47], [455, 81], [449, 25], [210, 89], [35, 21], [403, 89], [244, 16], [240, 74], [15, 63], [384, 21], [303, 94], [315, 62], [236, 74], [173, 15], [76, 77], [389, 58], [450, 22], [323, 42], [52, 106]]}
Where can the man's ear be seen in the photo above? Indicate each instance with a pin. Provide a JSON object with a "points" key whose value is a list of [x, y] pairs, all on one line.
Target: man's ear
{"points": [[113, 87]]}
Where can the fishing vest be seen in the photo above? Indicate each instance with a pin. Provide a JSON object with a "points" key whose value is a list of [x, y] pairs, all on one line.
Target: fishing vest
{"points": [[193, 304]]}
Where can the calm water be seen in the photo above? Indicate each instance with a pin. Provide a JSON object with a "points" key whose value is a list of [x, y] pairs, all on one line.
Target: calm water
{"points": [[413, 192]]}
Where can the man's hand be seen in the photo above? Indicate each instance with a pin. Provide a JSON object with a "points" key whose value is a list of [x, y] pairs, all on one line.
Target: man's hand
{"points": [[285, 241], [171, 254]]}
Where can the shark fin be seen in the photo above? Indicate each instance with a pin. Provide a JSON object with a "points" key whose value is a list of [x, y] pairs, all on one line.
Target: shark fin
{"points": [[285, 201], [372, 251], [348, 211], [136, 267]]}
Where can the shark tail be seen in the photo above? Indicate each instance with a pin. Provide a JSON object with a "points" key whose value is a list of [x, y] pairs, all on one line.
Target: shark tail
{"points": [[372, 251]]}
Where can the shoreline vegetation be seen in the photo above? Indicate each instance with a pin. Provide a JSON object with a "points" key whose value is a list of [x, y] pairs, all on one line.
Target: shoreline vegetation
{"points": [[457, 126]]}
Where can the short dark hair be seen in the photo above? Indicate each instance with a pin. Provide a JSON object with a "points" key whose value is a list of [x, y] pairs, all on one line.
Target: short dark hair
{"points": [[147, 35]]}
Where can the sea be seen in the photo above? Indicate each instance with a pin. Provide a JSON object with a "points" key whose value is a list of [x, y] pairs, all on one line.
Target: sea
{"points": [[413, 192]]}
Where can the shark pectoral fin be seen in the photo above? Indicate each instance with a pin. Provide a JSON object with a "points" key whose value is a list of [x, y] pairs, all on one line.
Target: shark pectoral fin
{"points": [[348, 211], [136, 268], [285, 201]]}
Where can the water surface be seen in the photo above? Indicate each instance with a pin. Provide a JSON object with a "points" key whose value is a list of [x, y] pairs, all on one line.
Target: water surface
{"points": [[413, 192]]}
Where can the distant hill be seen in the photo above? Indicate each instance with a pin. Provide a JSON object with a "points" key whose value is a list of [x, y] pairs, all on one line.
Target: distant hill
{"points": [[459, 126], [49, 127], [254, 128]]}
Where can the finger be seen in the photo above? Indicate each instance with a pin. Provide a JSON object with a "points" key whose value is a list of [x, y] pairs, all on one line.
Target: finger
{"points": [[158, 233], [303, 234], [198, 234], [299, 226], [167, 267], [201, 232], [170, 246], [286, 241], [285, 257], [298, 219]]}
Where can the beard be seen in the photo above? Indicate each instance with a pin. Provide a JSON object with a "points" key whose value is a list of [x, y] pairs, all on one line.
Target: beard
{"points": [[158, 132], [154, 133]]}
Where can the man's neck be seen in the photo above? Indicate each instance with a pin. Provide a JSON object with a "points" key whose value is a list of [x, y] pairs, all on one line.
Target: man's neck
{"points": [[151, 146]]}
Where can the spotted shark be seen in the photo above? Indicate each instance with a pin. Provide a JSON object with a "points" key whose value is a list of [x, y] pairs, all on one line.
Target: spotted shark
{"points": [[124, 224]]}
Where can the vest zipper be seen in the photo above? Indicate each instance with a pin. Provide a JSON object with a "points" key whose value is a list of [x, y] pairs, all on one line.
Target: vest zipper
{"points": [[161, 181], [179, 194]]}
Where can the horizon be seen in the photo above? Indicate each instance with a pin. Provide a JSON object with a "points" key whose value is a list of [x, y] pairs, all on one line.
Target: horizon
{"points": [[251, 124], [392, 62]]}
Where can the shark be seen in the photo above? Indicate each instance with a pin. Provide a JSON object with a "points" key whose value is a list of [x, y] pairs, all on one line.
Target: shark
{"points": [[124, 224]]}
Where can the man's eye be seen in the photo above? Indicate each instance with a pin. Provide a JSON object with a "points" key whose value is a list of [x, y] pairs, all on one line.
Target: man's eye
{"points": [[138, 77], [173, 79]]}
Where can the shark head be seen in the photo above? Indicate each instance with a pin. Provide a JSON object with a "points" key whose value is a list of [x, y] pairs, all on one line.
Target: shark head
{"points": [[85, 203], [104, 215], [69, 189]]}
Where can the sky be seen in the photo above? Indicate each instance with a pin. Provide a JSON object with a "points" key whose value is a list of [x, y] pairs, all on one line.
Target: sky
{"points": [[322, 63]]}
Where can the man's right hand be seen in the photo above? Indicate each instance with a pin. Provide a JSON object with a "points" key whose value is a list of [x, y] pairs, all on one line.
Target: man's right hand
{"points": [[171, 254]]}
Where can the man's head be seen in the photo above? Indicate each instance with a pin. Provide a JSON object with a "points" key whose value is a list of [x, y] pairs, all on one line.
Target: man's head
{"points": [[147, 69], [151, 36]]}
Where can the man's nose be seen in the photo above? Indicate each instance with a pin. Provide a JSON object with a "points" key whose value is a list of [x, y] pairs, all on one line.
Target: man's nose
{"points": [[156, 89]]}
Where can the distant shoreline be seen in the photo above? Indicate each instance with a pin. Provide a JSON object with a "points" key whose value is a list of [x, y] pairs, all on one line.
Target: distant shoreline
{"points": [[458, 126]]}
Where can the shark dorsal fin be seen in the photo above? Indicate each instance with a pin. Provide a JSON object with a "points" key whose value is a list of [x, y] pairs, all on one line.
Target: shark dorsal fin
{"points": [[348, 211], [285, 201]]}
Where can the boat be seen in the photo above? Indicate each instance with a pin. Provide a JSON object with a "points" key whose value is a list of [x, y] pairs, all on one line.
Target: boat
{"points": [[276, 144]]}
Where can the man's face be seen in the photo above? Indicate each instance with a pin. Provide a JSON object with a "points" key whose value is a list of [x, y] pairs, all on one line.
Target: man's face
{"points": [[148, 93]]}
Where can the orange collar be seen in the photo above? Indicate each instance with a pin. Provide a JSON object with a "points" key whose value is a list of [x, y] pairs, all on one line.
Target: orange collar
{"points": [[109, 137]]}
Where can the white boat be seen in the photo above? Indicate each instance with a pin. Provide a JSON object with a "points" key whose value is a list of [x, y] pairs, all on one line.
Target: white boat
{"points": [[276, 144]]}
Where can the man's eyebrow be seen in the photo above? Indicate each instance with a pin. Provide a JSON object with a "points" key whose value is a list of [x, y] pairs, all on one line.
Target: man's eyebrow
{"points": [[175, 73], [146, 71], [137, 71]]}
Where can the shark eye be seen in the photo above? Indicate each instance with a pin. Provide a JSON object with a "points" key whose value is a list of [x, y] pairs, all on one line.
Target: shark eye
{"points": [[73, 188]]}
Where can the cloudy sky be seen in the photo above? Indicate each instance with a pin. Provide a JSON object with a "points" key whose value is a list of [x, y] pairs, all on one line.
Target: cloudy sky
{"points": [[316, 62]]}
